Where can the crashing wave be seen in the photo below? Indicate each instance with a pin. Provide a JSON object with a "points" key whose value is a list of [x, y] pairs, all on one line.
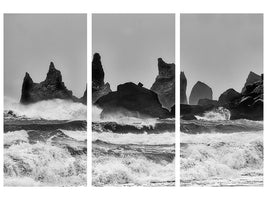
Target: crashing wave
{"points": [[217, 114], [122, 120], [56, 109], [42, 164], [131, 171], [221, 157]]}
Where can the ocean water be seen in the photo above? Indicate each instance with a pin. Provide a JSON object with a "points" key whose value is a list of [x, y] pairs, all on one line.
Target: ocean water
{"points": [[215, 151], [132, 151], [45, 144]]}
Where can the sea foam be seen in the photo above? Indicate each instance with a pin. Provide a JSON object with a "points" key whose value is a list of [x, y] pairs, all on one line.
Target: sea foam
{"points": [[217, 114], [42, 164], [56, 109], [220, 156]]}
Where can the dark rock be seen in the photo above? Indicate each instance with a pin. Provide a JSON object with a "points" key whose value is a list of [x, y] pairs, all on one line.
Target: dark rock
{"points": [[173, 111], [229, 96], [206, 102], [200, 91], [188, 110], [99, 88], [140, 84], [252, 78], [188, 117], [183, 85], [247, 105], [132, 100], [83, 99], [164, 85], [51, 88]]}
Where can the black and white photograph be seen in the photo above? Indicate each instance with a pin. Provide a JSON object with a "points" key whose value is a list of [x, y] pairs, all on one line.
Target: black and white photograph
{"points": [[45, 98], [133, 99], [221, 100]]}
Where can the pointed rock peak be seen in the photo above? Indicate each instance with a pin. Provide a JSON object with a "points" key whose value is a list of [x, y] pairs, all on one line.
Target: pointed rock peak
{"points": [[252, 78], [53, 75], [182, 75], [160, 61], [27, 75], [96, 58], [251, 73], [28, 78], [52, 66]]}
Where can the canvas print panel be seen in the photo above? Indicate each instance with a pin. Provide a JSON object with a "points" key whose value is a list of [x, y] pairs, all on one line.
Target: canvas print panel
{"points": [[45, 100], [221, 100], [133, 95]]}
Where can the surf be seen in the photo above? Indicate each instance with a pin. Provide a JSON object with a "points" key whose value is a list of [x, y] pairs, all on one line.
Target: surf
{"points": [[56, 109]]}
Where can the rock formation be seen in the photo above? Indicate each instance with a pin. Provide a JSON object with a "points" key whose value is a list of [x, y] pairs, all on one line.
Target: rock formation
{"points": [[205, 102], [99, 88], [200, 91], [183, 85], [228, 96], [164, 85], [51, 88], [252, 78], [245, 105], [83, 99], [133, 101]]}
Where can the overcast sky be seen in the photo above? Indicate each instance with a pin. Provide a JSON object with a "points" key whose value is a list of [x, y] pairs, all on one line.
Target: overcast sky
{"points": [[130, 44], [221, 49], [31, 41]]}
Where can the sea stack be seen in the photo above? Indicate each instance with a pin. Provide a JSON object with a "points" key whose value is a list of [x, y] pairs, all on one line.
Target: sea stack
{"points": [[164, 84], [51, 88], [200, 91], [99, 88], [183, 85]]}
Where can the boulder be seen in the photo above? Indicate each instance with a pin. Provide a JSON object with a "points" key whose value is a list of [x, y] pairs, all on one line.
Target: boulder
{"points": [[133, 101], [183, 85], [200, 91], [99, 88], [51, 88], [164, 84]]}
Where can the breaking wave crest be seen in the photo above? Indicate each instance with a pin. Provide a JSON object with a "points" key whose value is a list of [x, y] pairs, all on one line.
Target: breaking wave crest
{"points": [[208, 157], [43, 164], [122, 120], [40, 160], [217, 114], [131, 171], [56, 109]]}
